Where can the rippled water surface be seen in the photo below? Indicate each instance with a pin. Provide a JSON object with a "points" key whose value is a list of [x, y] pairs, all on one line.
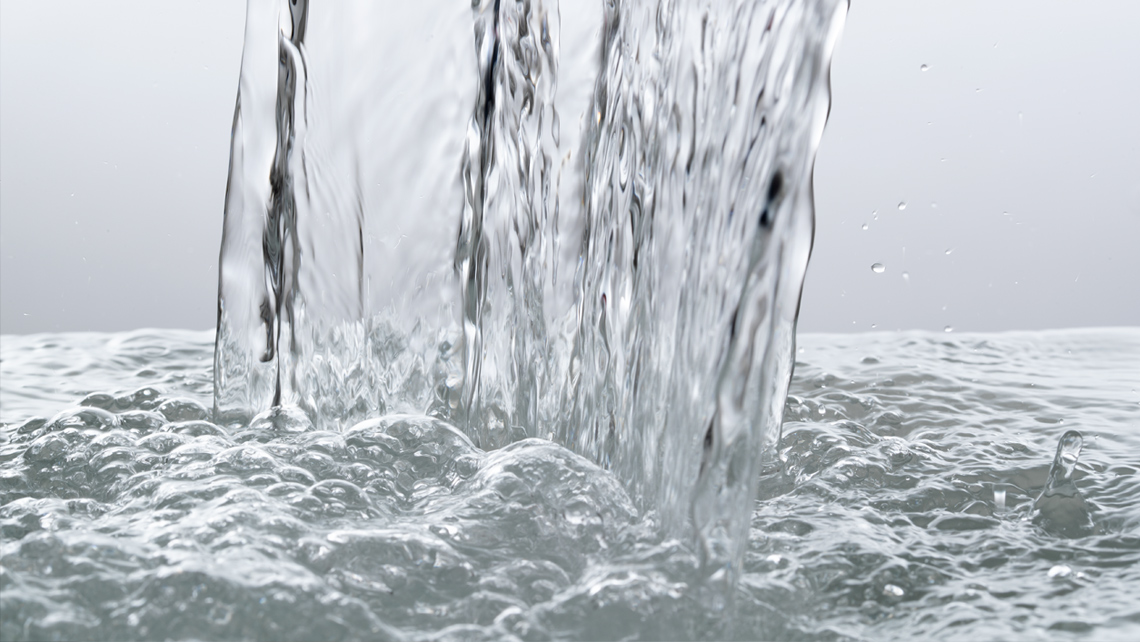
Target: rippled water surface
{"points": [[902, 506]]}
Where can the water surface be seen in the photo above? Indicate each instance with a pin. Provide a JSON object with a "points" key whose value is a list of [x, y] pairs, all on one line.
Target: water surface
{"points": [[901, 506]]}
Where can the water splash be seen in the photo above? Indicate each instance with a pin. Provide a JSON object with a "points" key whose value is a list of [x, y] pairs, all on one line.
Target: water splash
{"points": [[1061, 509], [628, 289], [133, 516]]}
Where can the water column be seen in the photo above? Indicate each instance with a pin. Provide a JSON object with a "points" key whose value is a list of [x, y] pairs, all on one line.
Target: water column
{"points": [[695, 229], [627, 287], [258, 299]]}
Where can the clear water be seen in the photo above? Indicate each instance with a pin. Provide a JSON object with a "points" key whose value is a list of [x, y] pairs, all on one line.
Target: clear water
{"points": [[506, 327], [901, 506], [619, 269]]}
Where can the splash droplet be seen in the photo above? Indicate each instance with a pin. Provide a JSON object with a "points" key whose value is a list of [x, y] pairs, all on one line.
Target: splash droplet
{"points": [[1061, 510], [948, 328], [891, 590], [902, 205], [864, 227], [949, 250], [906, 276], [1065, 461], [1060, 570], [999, 497], [878, 268], [925, 68]]}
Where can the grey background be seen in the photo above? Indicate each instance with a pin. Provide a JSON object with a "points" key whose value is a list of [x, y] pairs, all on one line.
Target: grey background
{"points": [[1017, 150]]}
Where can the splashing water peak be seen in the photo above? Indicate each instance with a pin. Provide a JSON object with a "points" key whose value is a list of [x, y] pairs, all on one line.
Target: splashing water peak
{"points": [[1061, 509]]}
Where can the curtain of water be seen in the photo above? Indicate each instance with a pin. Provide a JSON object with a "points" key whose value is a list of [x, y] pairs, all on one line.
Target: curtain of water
{"points": [[623, 275]]}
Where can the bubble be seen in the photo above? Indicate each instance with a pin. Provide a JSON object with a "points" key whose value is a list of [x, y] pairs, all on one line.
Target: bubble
{"points": [[948, 328], [925, 68], [902, 205], [878, 268]]}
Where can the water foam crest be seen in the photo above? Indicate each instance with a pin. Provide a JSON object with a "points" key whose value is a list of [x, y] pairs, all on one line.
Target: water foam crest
{"points": [[627, 284]]}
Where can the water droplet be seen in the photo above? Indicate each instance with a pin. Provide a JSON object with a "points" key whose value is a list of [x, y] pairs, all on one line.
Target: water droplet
{"points": [[948, 328], [999, 497], [864, 227], [902, 205], [878, 268], [949, 250], [1065, 461], [906, 276], [925, 68], [933, 205], [822, 412], [894, 591], [1060, 570]]}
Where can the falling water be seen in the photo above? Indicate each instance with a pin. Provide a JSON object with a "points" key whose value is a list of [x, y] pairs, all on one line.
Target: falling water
{"points": [[505, 330], [628, 290]]}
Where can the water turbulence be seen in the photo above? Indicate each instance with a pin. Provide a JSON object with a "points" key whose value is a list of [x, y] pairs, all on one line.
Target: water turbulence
{"points": [[505, 329], [619, 271]]}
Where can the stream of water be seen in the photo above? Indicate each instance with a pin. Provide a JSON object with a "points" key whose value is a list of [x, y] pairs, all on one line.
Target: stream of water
{"points": [[506, 329], [619, 271]]}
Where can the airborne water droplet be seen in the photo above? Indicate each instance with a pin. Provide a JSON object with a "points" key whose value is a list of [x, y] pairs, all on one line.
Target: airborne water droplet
{"points": [[949, 250], [906, 276], [902, 205], [864, 227], [878, 268], [948, 328], [925, 68]]}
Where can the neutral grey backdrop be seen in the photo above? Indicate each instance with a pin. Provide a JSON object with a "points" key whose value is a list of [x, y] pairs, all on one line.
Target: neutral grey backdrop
{"points": [[1016, 152]]}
